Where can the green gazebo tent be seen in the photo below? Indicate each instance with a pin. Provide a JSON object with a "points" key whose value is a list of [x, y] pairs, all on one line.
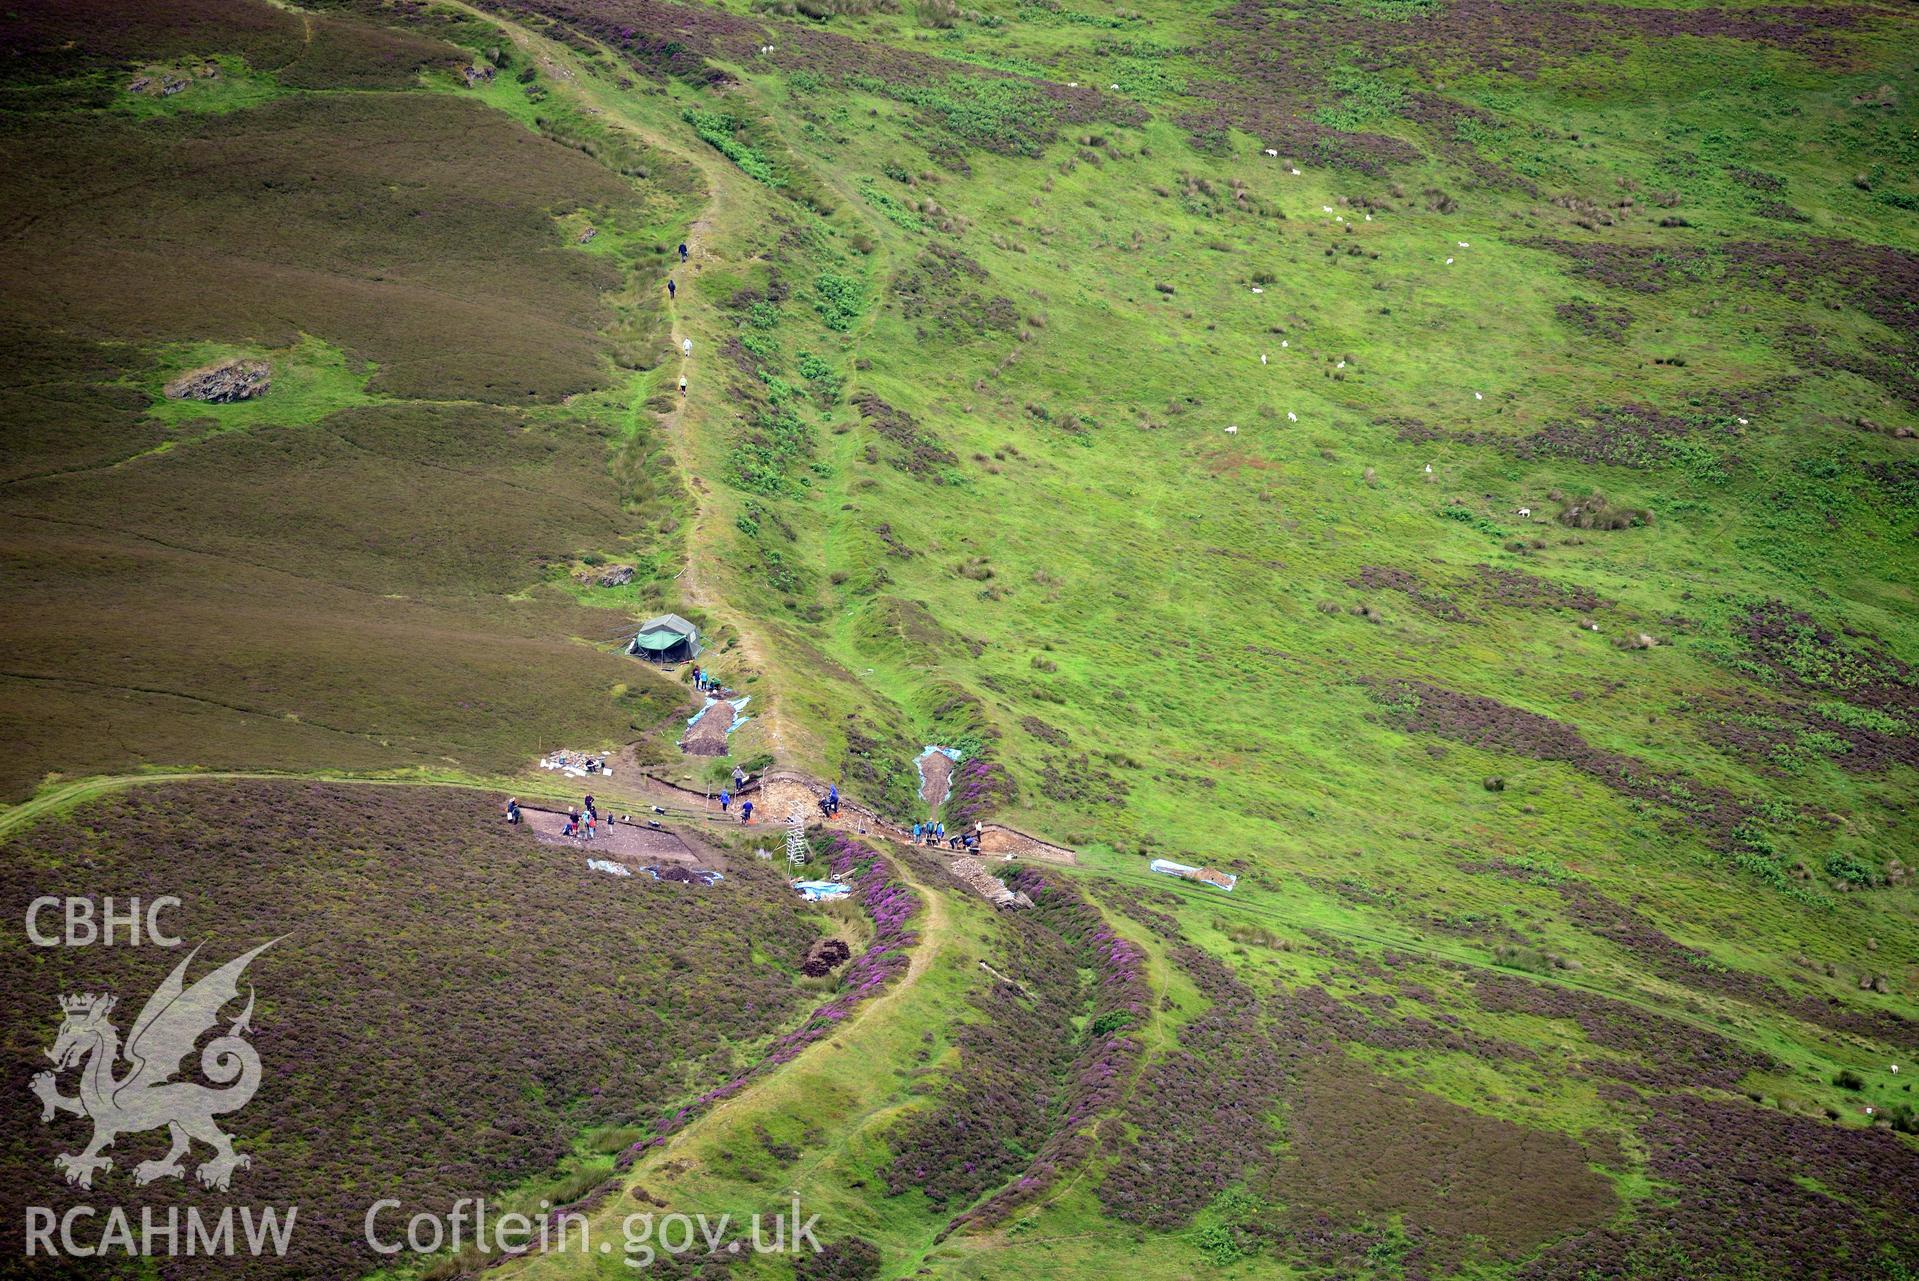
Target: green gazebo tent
{"points": [[666, 639]]}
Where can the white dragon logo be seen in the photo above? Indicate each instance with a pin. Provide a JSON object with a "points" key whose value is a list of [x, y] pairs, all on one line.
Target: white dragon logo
{"points": [[146, 1097]]}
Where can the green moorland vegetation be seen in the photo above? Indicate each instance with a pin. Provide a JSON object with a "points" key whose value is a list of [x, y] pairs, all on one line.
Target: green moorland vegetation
{"points": [[1450, 464]]}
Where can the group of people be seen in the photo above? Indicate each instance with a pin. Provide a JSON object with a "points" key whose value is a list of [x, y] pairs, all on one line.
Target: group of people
{"points": [[703, 682], [934, 833], [582, 825]]}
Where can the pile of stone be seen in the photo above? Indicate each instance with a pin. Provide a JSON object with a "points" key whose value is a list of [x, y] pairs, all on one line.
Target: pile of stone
{"points": [[611, 576], [972, 873]]}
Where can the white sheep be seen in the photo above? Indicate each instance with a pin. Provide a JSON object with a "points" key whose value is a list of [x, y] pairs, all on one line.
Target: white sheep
{"points": [[1429, 469], [1285, 343], [1527, 512], [1233, 430], [1477, 396], [1272, 153], [1449, 262], [1325, 208], [1742, 422], [1258, 290], [1463, 245], [1295, 173], [1340, 365], [1262, 357], [1291, 417]]}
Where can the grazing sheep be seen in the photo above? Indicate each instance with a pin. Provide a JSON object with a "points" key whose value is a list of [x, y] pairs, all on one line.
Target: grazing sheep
{"points": [[1233, 430], [1272, 153], [1449, 262], [1527, 512], [1262, 357], [1291, 417], [1477, 396]]}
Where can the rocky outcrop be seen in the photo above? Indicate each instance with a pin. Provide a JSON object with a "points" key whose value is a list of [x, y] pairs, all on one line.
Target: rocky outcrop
{"points": [[224, 383]]}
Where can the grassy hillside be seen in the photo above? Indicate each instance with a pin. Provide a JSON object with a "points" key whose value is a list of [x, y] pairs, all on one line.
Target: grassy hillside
{"points": [[1547, 612], [1451, 464]]}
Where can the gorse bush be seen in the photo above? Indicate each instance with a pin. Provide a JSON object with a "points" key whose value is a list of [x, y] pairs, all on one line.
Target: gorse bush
{"points": [[718, 129], [839, 300], [996, 115]]}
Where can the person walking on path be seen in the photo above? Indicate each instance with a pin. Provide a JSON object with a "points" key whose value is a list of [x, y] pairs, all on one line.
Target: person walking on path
{"points": [[682, 252], [592, 820], [672, 290], [746, 811], [513, 811], [916, 833], [726, 799], [739, 778], [682, 386]]}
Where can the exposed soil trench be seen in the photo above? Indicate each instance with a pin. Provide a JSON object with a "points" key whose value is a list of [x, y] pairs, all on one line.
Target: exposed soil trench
{"points": [[708, 737], [936, 768], [618, 842]]}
